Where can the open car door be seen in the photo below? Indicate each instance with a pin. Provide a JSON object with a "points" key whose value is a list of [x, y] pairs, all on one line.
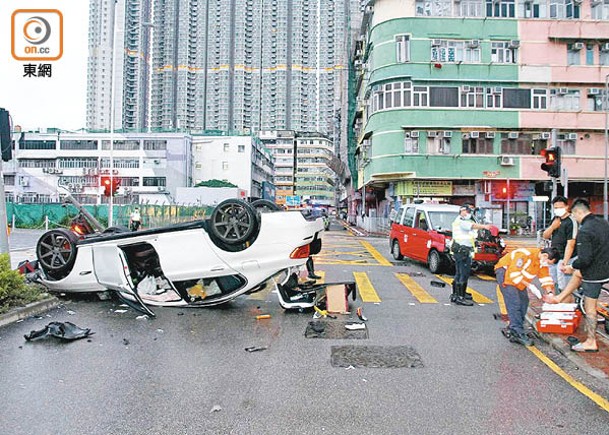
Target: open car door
{"points": [[111, 270]]}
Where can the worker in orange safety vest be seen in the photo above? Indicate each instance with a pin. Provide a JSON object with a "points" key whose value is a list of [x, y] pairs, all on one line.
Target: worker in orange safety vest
{"points": [[514, 272]]}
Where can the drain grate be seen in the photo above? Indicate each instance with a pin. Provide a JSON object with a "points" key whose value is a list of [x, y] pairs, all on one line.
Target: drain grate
{"points": [[334, 329], [376, 357]]}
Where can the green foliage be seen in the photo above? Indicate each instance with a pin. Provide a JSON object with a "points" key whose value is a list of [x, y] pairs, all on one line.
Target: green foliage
{"points": [[14, 291]]}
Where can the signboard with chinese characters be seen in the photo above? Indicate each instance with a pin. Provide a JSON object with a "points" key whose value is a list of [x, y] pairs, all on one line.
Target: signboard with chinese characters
{"points": [[424, 188], [292, 201]]}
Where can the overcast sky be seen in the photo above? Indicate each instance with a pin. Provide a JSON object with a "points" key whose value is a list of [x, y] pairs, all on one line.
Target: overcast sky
{"points": [[42, 102]]}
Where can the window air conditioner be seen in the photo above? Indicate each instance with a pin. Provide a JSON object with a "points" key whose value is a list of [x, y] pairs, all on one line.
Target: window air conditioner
{"points": [[357, 63], [513, 135], [497, 90], [563, 91], [448, 134], [594, 91], [474, 134], [369, 9], [24, 181], [474, 43], [465, 88], [161, 188], [546, 135], [414, 133], [436, 42], [358, 52], [578, 46], [432, 133], [507, 161], [571, 136], [490, 134], [514, 43], [465, 136], [605, 46]]}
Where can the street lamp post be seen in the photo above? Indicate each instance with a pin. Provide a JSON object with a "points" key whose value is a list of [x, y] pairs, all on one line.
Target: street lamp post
{"points": [[606, 110]]}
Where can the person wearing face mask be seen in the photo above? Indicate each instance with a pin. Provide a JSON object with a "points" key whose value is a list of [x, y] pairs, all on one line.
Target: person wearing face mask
{"points": [[514, 273], [590, 270], [463, 244], [562, 234]]}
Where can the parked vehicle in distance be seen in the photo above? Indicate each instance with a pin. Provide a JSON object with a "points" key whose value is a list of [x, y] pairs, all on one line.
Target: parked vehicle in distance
{"points": [[423, 232]]}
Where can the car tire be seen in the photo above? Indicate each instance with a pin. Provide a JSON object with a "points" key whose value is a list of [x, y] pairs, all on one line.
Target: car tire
{"points": [[435, 261], [395, 251], [234, 222], [265, 206], [56, 252]]}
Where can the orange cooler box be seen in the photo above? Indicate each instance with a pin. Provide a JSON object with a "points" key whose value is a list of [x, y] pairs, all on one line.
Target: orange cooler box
{"points": [[558, 322]]}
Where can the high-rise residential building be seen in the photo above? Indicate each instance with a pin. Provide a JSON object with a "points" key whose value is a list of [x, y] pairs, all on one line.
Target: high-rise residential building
{"points": [[249, 65], [119, 46], [457, 99]]}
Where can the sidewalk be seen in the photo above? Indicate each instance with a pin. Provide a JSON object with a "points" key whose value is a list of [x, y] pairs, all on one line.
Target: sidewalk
{"points": [[596, 364]]}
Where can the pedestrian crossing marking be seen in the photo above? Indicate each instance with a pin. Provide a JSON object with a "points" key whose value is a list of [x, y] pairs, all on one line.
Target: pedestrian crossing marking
{"points": [[376, 254], [500, 301], [416, 290], [479, 298], [366, 290]]}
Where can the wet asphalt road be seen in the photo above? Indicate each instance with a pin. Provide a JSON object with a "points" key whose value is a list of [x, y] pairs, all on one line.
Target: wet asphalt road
{"points": [[186, 371]]}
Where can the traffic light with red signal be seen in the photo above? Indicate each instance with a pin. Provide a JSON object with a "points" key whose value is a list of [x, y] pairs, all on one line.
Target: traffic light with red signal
{"points": [[110, 185], [552, 163]]}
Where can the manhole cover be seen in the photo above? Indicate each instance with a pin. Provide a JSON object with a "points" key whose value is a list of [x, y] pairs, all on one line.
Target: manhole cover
{"points": [[333, 329], [375, 357]]}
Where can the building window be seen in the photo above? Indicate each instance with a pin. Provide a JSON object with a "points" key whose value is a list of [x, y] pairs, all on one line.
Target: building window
{"points": [[573, 55], [78, 144], [440, 96], [596, 102], [411, 144], [600, 10], [589, 54], [241, 148], [477, 146], [226, 147], [564, 99], [501, 52], [471, 8], [567, 146], [36, 144], [158, 145], [514, 98], [402, 48], [531, 9], [540, 99], [523, 145], [493, 97], [455, 51], [420, 96], [225, 166], [604, 55], [501, 8], [472, 96], [563, 9], [154, 181], [438, 144], [435, 8]]}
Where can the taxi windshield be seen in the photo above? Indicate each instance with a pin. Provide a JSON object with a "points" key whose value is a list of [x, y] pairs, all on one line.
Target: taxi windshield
{"points": [[442, 220]]}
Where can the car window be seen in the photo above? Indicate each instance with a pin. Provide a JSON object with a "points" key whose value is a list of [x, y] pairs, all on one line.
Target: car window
{"points": [[442, 220], [421, 221], [408, 217]]}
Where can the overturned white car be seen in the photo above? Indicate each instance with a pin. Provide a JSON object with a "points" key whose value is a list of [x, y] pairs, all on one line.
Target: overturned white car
{"points": [[238, 250]]}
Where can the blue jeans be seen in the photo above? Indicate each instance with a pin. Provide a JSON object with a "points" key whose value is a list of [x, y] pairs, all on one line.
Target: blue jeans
{"points": [[463, 265], [516, 302]]}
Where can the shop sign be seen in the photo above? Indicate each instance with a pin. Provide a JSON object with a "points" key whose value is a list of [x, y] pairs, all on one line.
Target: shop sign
{"points": [[424, 188]]}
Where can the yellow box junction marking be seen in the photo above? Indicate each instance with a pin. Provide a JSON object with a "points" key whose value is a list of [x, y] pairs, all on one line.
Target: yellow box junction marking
{"points": [[321, 273], [365, 288], [599, 400], [416, 290], [479, 298], [376, 254], [485, 277]]}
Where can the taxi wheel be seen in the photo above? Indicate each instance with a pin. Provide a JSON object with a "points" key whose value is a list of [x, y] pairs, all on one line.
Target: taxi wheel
{"points": [[56, 252], [395, 251], [434, 260], [234, 222]]}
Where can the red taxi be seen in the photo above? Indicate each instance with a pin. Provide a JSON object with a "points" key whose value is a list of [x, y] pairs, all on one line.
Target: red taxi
{"points": [[423, 232]]}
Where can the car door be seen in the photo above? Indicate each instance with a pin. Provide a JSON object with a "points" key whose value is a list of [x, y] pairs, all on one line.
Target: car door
{"points": [[406, 232], [112, 271], [420, 239]]}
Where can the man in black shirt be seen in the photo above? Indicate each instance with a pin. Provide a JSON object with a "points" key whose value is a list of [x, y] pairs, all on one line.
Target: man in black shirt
{"points": [[562, 233], [590, 270]]}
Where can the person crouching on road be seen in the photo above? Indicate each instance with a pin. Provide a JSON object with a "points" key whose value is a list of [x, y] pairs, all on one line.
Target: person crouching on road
{"points": [[514, 273], [590, 269], [464, 238]]}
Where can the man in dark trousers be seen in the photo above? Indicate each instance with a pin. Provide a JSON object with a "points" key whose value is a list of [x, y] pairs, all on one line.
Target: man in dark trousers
{"points": [[562, 233], [590, 270]]}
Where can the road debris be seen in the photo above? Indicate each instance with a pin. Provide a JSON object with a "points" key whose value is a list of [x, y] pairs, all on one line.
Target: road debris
{"points": [[143, 316], [125, 342], [355, 326], [263, 316], [120, 311], [216, 408], [438, 283], [255, 348], [63, 330]]}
